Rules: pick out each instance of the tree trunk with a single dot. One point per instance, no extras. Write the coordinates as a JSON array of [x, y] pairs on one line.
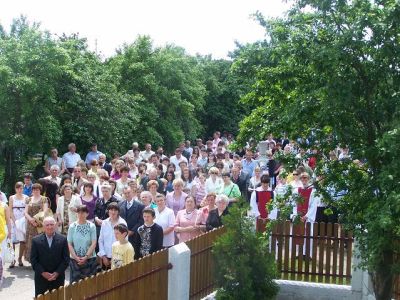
[[10, 174], [382, 277]]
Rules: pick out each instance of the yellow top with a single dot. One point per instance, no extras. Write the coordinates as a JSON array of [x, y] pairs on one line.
[[121, 254]]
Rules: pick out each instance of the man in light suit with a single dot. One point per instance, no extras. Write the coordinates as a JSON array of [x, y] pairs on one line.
[[131, 211], [49, 258]]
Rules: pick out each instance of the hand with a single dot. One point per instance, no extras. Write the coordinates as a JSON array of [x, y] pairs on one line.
[[99, 222], [303, 218], [130, 233], [53, 276], [46, 275], [105, 261]]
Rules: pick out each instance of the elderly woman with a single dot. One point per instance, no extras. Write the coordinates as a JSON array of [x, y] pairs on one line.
[[165, 217], [147, 199], [185, 221], [152, 187], [82, 243], [35, 204], [107, 237], [176, 199], [64, 214], [205, 210], [214, 182], [214, 219]]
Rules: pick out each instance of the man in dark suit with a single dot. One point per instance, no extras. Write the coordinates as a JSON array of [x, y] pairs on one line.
[[131, 211], [49, 258]]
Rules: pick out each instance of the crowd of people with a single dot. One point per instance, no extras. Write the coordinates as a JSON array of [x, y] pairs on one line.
[[109, 213]]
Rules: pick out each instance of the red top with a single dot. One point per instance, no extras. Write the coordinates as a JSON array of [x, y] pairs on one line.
[[263, 198], [303, 207], [312, 162]]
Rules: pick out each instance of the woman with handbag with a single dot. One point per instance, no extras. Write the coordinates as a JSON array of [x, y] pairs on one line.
[[35, 205], [17, 210]]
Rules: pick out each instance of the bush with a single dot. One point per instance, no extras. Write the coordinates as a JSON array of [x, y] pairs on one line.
[[244, 268]]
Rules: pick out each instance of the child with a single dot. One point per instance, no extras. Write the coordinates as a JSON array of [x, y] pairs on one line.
[[122, 251]]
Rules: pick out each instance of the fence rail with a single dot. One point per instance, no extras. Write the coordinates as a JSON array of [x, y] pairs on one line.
[[201, 264], [319, 252], [137, 278]]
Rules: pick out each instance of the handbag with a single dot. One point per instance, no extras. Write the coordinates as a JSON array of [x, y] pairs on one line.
[[20, 229], [9, 254]]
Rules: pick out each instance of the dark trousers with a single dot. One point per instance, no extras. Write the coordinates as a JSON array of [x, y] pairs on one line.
[[42, 285]]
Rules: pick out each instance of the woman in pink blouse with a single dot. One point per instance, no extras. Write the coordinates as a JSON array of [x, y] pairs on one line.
[[185, 221], [176, 199]]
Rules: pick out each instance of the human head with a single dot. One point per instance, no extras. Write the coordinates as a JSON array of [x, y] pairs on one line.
[[72, 147], [264, 181], [178, 184], [160, 201], [19, 187], [27, 178], [102, 158], [148, 215], [93, 147], [49, 225], [120, 232], [145, 198], [304, 177], [152, 186], [88, 188], [128, 194], [54, 152], [54, 170], [77, 172], [66, 189], [190, 203], [213, 171], [82, 212], [178, 153], [222, 202], [153, 174], [106, 190], [36, 189], [113, 210], [226, 178], [211, 197], [148, 147]]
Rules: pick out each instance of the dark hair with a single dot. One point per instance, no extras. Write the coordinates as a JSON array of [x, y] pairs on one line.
[[149, 210], [19, 184], [88, 184], [65, 177], [37, 186], [264, 178], [113, 205], [172, 173], [122, 228], [124, 169], [190, 179], [226, 174], [82, 208]]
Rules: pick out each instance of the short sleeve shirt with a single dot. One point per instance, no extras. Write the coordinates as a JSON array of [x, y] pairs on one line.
[[81, 237]]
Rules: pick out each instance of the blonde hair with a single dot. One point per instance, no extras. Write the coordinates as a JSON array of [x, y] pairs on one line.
[[177, 181]]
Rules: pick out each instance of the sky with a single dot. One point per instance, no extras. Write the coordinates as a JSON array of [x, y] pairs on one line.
[[204, 27]]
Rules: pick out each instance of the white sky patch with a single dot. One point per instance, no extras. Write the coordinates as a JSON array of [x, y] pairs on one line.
[[204, 27]]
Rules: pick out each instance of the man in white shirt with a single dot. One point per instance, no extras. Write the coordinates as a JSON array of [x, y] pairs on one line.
[[178, 158], [71, 158], [145, 155]]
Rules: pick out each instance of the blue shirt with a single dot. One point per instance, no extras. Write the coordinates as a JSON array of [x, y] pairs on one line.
[[248, 167], [81, 237], [92, 155], [27, 190]]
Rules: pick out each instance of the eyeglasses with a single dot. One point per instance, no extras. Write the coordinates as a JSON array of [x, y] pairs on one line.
[[295, 174]]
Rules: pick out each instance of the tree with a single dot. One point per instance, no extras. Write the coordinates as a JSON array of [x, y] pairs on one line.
[[243, 266], [168, 82], [30, 64], [331, 68]]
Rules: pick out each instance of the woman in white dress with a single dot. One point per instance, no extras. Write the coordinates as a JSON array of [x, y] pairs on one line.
[[17, 210]]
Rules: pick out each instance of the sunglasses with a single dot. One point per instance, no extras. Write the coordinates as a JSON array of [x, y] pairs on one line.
[[295, 174]]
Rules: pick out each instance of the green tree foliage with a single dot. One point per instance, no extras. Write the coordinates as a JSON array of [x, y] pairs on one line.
[[167, 82], [54, 90], [243, 266], [332, 68]]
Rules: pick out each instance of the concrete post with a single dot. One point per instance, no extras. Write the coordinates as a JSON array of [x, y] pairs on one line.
[[179, 275]]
